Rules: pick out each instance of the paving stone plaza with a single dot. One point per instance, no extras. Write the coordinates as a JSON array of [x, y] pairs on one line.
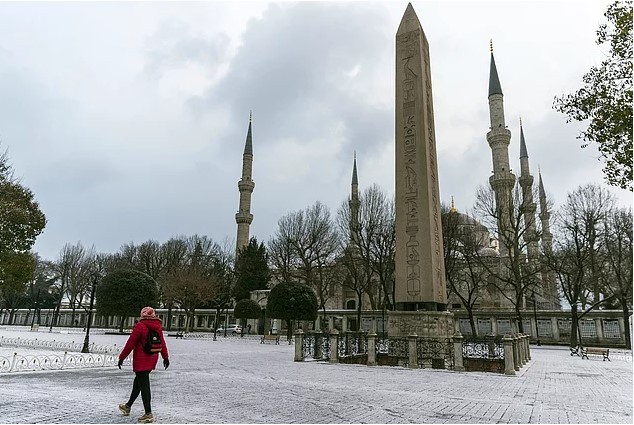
[[241, 381]]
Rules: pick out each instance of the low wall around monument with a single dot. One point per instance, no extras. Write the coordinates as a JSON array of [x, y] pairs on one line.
[[552, 327], [604, 328]]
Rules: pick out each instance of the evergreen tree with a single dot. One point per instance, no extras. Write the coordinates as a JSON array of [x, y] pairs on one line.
[[124, 293], [290, 301], [252, 270]]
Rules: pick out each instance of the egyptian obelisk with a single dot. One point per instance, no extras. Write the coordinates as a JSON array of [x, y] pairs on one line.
[[420, 268]]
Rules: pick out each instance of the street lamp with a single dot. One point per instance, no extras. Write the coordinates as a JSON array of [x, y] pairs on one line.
[[37, 298], [92, 300], [535, 316]]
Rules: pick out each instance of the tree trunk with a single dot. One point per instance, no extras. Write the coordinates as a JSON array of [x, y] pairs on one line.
[[289, 331], [626, 321], [520, 325], [324, 322], [121, 322], [169, 317], [474, 330], [574, 317], [192, 324], [359, 295]]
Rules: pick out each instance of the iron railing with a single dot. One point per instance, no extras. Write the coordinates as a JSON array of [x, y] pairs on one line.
[[20, 363], [437, 353], [352, 344], [53, 345], [483, 348]]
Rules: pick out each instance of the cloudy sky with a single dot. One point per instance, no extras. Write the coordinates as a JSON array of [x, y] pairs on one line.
[[128, 120]]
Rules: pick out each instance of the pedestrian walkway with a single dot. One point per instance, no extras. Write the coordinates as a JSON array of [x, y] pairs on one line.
[[232, 381]]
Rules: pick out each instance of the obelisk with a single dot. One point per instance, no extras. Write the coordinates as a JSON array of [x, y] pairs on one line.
[[420, 268]]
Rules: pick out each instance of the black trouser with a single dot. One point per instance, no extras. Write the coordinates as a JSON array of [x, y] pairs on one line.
[[141, 385]]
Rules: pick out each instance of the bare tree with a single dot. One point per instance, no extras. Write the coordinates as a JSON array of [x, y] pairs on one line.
[[618, 260], [464, 241], [304, 249], [72, 268], [513, 275], [371, 231], [576, 251], [589, 207]]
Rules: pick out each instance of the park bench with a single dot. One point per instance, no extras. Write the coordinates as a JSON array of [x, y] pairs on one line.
[[574, 351], [265, 338], [605, 352]]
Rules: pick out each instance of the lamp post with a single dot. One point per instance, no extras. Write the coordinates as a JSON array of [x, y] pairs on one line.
[[92, 300], [535, 316], [37, 298]]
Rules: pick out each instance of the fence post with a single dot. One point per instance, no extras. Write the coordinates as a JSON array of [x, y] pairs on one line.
[[524, 350], [334, 350], [509, 368], [15, 356], [371, 349], [516, 354], [413, 355], [457, 352], [528, 348], [299, 345]]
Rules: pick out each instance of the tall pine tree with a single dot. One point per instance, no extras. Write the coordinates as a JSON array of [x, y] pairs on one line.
[[252, 270]]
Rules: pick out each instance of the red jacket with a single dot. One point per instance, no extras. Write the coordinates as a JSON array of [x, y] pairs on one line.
[[142, 362]]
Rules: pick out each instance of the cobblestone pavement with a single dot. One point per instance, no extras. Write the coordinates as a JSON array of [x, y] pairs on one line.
[[233, 381]]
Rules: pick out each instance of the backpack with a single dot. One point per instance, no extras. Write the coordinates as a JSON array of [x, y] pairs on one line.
[[153, 344]]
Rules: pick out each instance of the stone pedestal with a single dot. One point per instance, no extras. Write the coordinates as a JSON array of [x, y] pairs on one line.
[[425, 324]]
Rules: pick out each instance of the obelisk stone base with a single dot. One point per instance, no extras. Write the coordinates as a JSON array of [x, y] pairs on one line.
[[425, 324]]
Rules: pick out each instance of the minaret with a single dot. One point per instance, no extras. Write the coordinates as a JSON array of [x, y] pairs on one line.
[[549, 281], [544, 215], [245, 186], [354, 201], [526, 182], [499, 137]]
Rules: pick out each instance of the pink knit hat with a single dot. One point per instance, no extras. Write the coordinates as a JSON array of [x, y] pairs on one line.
[[147, 313]]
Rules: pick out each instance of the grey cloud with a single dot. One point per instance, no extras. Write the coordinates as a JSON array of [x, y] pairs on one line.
[[173, 45], [290, 71]]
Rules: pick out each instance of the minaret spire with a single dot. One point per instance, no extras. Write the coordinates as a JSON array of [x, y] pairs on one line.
[[528, 205], [499, 138], [544, 216], [244, 218], [354, 203], [354, 170], [494, 80], [549, 281]]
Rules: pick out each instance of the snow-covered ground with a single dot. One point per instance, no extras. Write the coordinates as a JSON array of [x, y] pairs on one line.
[[237, 380]]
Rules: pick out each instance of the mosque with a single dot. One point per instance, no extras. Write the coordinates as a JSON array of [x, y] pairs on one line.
[[492, 245]]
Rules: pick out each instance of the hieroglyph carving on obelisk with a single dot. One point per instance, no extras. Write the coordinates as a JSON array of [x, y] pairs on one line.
[[420, 268]]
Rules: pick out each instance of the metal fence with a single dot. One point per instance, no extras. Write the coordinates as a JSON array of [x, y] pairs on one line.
[[352, 344], [436, 353], [21, 363], [483, 348], [53, 345]]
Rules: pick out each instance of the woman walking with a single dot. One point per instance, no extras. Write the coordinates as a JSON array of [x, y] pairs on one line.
[[145, 342]]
